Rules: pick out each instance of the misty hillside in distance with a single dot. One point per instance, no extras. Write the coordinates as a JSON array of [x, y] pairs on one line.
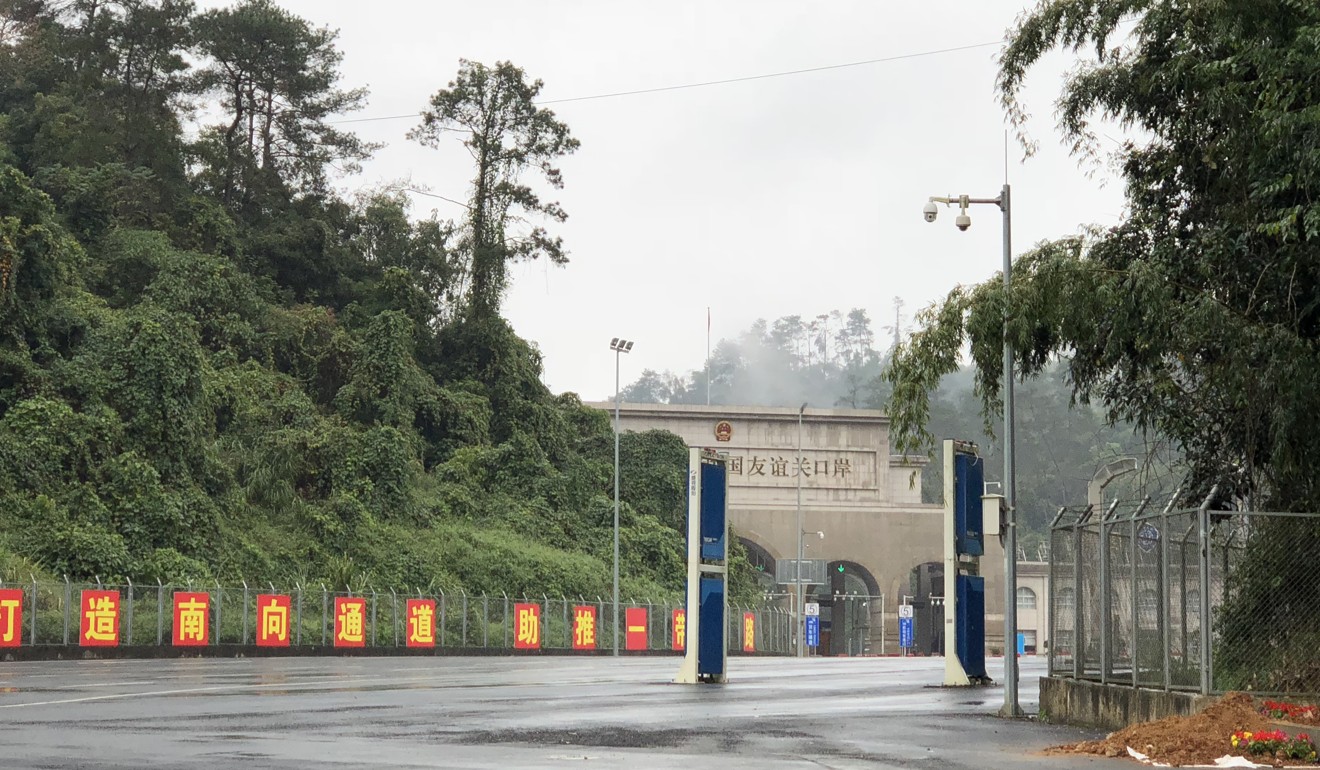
[[831, 360]]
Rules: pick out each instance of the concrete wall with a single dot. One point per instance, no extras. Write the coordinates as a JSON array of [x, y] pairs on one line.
[[1110, 706]]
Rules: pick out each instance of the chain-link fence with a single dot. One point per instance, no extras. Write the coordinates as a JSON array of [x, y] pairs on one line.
[[1189, 599], [74, 614]]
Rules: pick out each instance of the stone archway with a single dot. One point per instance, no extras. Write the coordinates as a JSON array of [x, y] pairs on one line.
[[851, 610]]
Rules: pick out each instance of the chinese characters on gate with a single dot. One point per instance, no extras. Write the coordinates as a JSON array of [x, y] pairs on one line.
[[787, 467]]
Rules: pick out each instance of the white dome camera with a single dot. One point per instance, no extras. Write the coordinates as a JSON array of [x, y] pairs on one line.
[[930, 211]]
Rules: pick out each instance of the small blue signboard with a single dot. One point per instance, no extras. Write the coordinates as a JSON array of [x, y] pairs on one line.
[[813, 631], [1148, 537], [905, 633], [1022, 644]]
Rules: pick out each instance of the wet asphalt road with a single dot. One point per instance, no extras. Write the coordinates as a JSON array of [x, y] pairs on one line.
[[549, 712]]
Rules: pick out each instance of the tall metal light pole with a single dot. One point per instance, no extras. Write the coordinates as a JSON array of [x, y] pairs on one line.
[[797, 572], [619, 346], [963, 221]]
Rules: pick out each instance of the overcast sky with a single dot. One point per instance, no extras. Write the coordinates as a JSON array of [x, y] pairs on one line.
[[791, 195]]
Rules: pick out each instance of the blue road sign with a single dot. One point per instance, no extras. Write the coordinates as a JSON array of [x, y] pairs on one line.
[[905, 632], [813, 631]]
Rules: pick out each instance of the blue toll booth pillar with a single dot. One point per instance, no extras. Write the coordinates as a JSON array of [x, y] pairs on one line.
[[705, 653], [964, 544]]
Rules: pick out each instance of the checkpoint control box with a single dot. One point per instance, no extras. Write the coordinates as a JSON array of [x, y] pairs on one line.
[[965, 528], [705, 656]]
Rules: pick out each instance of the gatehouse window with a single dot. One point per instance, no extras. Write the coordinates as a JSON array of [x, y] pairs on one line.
[[1026, 599]]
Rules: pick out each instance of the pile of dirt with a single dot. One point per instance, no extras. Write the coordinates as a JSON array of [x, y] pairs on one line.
[[1196, 740]]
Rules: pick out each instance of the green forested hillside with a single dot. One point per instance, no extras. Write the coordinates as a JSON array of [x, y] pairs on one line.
[[212, 366]]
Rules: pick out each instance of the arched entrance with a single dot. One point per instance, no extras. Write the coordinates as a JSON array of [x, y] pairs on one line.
[[847, 610], [763, 564]]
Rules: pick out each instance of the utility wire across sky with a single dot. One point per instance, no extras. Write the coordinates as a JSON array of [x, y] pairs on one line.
[[726, 81]]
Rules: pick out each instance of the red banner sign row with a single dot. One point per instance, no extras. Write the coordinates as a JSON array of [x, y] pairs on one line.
[[273, 620], [527, 624], [584, 627], [350, 622], [99, 624], [11, 617], [192, 620], [421, 622], [635, 626]]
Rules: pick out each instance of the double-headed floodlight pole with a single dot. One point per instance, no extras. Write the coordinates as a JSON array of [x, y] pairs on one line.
[[619, 346], [963, 221]]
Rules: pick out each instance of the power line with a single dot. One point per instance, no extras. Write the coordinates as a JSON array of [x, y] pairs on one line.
[[433, 195], [726, 81], [773, 74]]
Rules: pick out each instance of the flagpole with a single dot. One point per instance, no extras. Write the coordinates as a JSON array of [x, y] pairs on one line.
[[708, 355]]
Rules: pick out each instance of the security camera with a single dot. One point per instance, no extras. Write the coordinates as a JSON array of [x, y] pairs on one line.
[[930, 211], [963, 221]]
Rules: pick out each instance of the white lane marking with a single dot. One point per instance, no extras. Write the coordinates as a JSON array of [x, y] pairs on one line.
[[338, 683], [343, 683]]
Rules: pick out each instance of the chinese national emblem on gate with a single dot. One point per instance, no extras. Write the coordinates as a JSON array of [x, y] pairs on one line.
[[723, 430]]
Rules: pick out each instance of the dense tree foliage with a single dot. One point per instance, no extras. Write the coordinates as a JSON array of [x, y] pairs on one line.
[[212, 366], [1197, 317], [494, 109]]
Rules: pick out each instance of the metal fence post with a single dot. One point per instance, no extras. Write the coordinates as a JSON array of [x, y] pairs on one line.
[[1079, 654], [160, 613], [1165, 610], [219, 609], [245, 613], [442, 616], [1134, 644], [1050, 588], [485, 620], [128, 634], [325, 612], [1106, 596], [568, 630], [297, 611], [1203, 515], [463, 642], [68, 597], [504, 621], [374, 605], [394, 616], [32, 624]]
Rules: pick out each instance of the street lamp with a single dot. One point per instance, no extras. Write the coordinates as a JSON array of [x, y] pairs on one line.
[[963, 221], [619, 346], [797, 572]]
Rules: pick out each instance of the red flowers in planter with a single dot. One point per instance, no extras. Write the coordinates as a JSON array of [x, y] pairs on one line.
[[1290, 711]]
